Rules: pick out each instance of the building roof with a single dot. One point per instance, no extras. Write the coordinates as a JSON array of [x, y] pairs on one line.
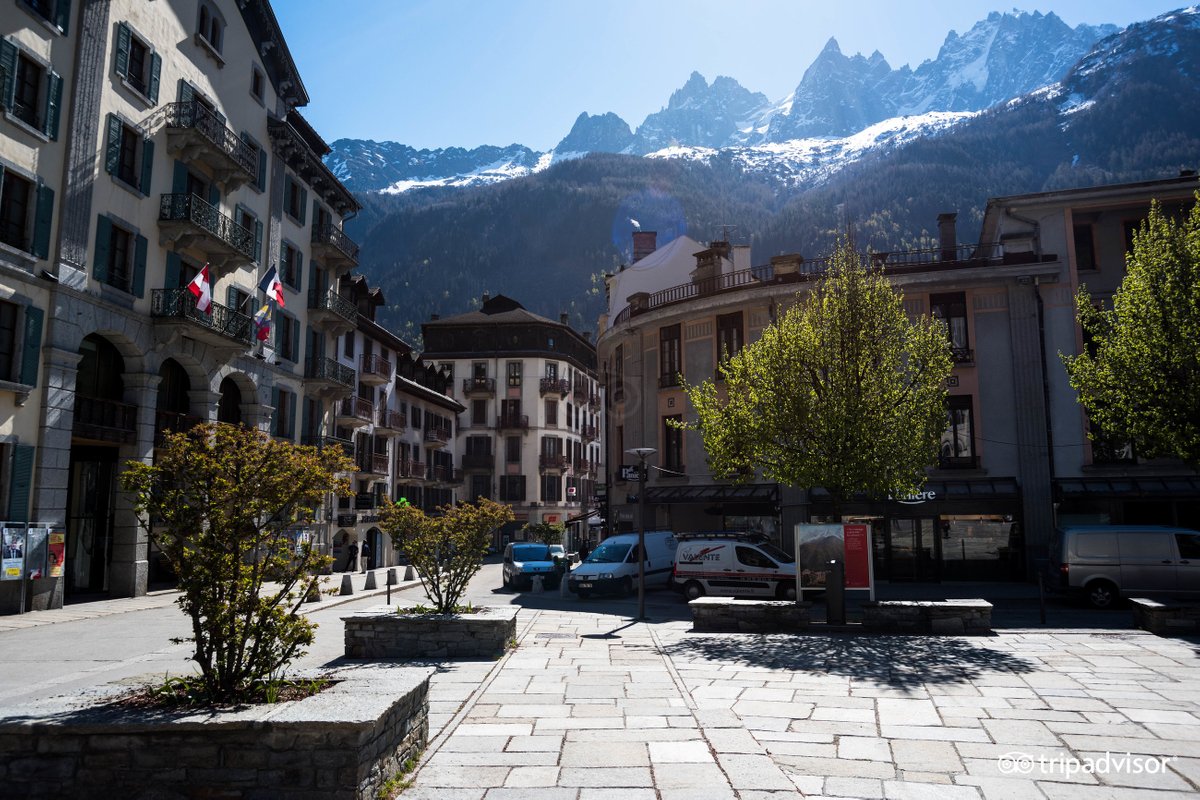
[[496, 310], [281, 68], [670, 265]]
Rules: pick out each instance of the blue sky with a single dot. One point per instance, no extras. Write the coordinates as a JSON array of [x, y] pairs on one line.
[[441, 73]]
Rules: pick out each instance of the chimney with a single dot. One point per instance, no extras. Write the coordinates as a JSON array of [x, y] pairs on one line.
[[947, 237], [644, 243], [587, 336], [486, 296], [721, 248], [564, 318]]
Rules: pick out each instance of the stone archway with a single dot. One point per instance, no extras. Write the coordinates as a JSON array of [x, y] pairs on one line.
[[229, 405]]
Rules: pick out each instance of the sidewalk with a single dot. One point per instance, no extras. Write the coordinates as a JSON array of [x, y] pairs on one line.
[[592, 707]]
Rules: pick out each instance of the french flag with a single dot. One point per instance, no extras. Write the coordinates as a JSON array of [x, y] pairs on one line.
[[201, 287], [272, 286]]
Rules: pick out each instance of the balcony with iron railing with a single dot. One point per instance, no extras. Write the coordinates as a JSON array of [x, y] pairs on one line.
[[593, 401], [580, 391], [374, 369], [345, 445], [355, 411], [962, 355], [221, 326], [372, 463], [364, 500], [437, 436], [336, 251], [173, 422], [99, 420], [186, 220], [512, 422], [670, 379], [391, 420], [588, 432], [197, 133], [479, 461], [328, 311], [559, 386], [332, 377], [479, 386], [443, 474], [552, 461], [416, 469]]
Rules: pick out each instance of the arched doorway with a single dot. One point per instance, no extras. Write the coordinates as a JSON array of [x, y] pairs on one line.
[[102, 422], [229, 407], [173, 411]]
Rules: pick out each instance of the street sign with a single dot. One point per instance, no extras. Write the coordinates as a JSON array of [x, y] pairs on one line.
[[629, 472]]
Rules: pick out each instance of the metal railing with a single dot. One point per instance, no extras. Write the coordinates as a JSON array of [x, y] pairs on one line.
[[333, 302], [196, 116], [208, 218], [478, 460], [473, 385], [437, 435], [512, 421], [328, 369], [374, 364], [392, 420], [181, 304], [552, 460], [357, 408], [333, 236], [105, 420], [554, 386]]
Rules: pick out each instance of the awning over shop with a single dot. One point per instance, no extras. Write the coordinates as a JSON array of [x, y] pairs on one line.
[[710, 493], [1172, 486], [974, 489]]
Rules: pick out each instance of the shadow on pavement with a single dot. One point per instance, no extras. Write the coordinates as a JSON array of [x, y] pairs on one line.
[[902, 661]]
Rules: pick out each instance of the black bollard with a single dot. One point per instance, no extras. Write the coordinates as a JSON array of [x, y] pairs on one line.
[[391, 579], [835, 593]]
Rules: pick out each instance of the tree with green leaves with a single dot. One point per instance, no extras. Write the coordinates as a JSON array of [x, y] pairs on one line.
[[842, 392], [446, 549], [222, 503], [544, 532], [1139, 378]]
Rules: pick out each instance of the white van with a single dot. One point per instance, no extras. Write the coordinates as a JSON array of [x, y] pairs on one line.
[[613, 565], [1103, 562], [731, 564]]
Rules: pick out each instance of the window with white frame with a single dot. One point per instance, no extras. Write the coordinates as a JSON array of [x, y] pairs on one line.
[[32, 91]]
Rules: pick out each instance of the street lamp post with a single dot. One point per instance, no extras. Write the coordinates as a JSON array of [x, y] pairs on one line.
[[642, 453]]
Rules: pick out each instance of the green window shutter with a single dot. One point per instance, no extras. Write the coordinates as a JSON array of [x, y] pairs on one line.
[[303, 204], [124, 35], [31, 345], [103, 237], [21, 483], [291, 431], [139, 267], [295, 354], [299, 270], [174, 268], [306, 420], [112, 148], [275, 412], [155, 71], [214, 195], [258, 239], [179, 178], [262, 169], [231, 298], [54, 87], [42, 218], [147, 165], [62, 14], [186, 93], [8, 66]]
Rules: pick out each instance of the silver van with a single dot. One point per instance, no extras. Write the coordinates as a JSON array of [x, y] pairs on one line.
[[1104, 562]]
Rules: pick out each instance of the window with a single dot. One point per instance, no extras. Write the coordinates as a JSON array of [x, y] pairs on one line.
[[512, 449], [283, 422], [481, 486], [137, 64], [260, 180], [510, 413], [26, 209], [348, 345], [512, 487], [1189, 545], [552, 370], [672, 454], [752, 558], [287, 337], [291, 266], [120, 259], [479, 370], [32, 90], [668, 356], [552, 413], [514, 373], [729, 336], [211, 28], [1085, 248], [129, 156], [952, 310], [416, 418], [618, 373], [257, 84], [55, 13], [958, 440], [295, 198], [551, 488], [20, 342]]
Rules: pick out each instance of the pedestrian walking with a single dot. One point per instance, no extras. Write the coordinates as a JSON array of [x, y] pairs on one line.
[[365, 554], [352, 558]]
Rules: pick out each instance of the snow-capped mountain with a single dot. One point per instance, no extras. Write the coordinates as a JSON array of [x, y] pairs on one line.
[[840, 102]]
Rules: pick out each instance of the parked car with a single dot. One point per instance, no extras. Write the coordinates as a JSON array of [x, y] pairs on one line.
[[523, 561], [613, 565], [1103, 562], [731, 564]]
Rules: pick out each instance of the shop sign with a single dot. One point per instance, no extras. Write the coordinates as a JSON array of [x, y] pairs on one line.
[[629, 472], [916, 498]]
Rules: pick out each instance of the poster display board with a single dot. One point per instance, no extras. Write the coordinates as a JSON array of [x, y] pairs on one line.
[[56, 553], [817, 545], [12, 558]]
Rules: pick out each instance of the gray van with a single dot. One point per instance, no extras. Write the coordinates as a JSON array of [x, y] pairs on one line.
[[1103, 562]]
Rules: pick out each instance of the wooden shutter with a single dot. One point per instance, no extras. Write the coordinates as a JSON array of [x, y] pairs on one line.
[[303, 204], [155, 71], [262, 169], [31, 345], [139, 267], [299, 270], [103, 238], [21, 483], [295, 354], [8, 66], [112, 148], [306, 422], [43, 216], [174, 268], [291, 431], [124, 36], [180, 178], [62, 14], [54, 87], [214, 195], [275, 411], [147, 165], [258, 240], [186, 93]]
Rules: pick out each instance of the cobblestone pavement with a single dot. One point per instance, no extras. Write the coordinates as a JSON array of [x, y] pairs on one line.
[[590, 707]]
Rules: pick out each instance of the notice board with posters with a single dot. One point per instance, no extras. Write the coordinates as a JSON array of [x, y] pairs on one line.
[[817, 545]]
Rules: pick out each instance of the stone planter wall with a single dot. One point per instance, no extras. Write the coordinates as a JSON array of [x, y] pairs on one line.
[[1165, 619], [748, 616], [383, 633], [947, 617], [343, 743]]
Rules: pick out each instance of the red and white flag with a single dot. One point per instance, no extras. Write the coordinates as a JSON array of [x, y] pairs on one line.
[[272, 286], [202, 289]]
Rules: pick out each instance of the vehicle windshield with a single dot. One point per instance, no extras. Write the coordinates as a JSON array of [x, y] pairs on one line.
[[610, 553], [775, 553], [531, 552]]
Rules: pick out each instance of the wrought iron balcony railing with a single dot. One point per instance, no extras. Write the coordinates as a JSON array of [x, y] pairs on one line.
[[104, 420], [197, 117], [552, 461], [479, 385], [333, 303], [375, 366], [181, 304], [554, 386], [357, 408], [213, 227], [392, 420], [334, 241], [512, 421], [329, 370], [440, 435]]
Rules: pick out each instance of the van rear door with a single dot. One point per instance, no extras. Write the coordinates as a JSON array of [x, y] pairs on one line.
[[1147, 561], [1187, 577]]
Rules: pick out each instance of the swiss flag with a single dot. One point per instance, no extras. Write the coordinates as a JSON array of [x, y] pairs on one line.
[[201, 287]]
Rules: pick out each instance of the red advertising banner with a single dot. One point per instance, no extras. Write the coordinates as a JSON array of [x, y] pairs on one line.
[[858, 556]]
